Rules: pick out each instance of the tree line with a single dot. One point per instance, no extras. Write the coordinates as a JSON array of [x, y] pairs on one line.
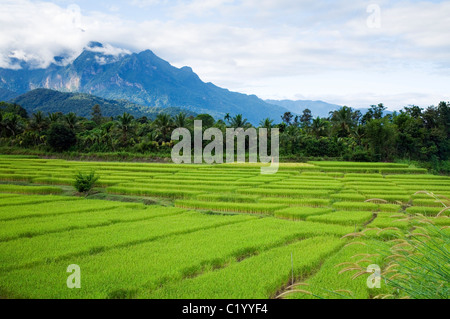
[[412, 134]]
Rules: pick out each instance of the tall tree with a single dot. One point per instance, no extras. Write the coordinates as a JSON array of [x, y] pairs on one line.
[[266, 123], [97, 114], [343, 121], [239, 122], [287, 118], [164, 125], [180, 120], [71, 120], [319, 127], [227, 117], [306, 118], [125, 123]]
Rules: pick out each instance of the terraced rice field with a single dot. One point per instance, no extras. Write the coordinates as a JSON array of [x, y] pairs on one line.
[[220, 231]]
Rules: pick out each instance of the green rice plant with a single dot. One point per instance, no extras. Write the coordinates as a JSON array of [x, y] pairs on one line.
[[357, 164], [371, 176], [317, 178], [380, 192], [203, 178], [335, 174], [440, 221], [41, 225], [389, 208], [313, 173], [394, 199], [52, 181], [156, 192], [2, 196], [349, 197], [343, 218], [54, 208], [263, 179], [198, 187], [16, 189], [284, 192], [259, 277], [334, 281], [145, 266], [427, 182], [308, 202], [350, 169], [301, 187], [255, 208], [390, 221], [355, 206], [195, 175], [427, 211], [228, 198], [172, 181], [300, 213], [403, 171], [406, 177], [428, 202], [373, 188], [107, 237], [19, 200], [16, 177], [360, 184]]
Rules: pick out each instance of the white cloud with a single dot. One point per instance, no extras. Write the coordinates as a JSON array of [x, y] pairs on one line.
[[244, 45], [108, 49]]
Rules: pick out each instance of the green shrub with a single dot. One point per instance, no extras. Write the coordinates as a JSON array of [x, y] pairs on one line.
[[84, 183]]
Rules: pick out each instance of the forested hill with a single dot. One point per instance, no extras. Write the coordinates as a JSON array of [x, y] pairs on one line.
[[50, 101]]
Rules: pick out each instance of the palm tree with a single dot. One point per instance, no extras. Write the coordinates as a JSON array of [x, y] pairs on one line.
[[342, 120], [239, 122], [53, 117], [71, 120], [227, 117], [318, 127], [163, 125], [180, 120], [125, 123], [266, 123], [12, 123]]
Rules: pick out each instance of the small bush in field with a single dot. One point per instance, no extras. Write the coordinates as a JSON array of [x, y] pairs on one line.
[[84, 183]]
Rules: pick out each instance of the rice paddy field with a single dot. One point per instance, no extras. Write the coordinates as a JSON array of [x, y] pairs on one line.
[[170, 231]]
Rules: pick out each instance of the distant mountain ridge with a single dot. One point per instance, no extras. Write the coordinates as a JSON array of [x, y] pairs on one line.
[[50, 101], [6, 95], [141, 78], [318, 108]]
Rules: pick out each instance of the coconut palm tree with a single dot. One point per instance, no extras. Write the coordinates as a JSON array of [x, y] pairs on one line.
[[180, 120], [342, 120], [318, 127], [266, 123], [227, 117], [164, 125], [125, 124], [71, 120], [239, 122]]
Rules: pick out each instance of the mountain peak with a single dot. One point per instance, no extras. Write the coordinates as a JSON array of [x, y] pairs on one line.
[[94, 45], [143, 78]]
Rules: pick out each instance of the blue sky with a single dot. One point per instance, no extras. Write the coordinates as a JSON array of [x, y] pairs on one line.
[[355, 53]]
